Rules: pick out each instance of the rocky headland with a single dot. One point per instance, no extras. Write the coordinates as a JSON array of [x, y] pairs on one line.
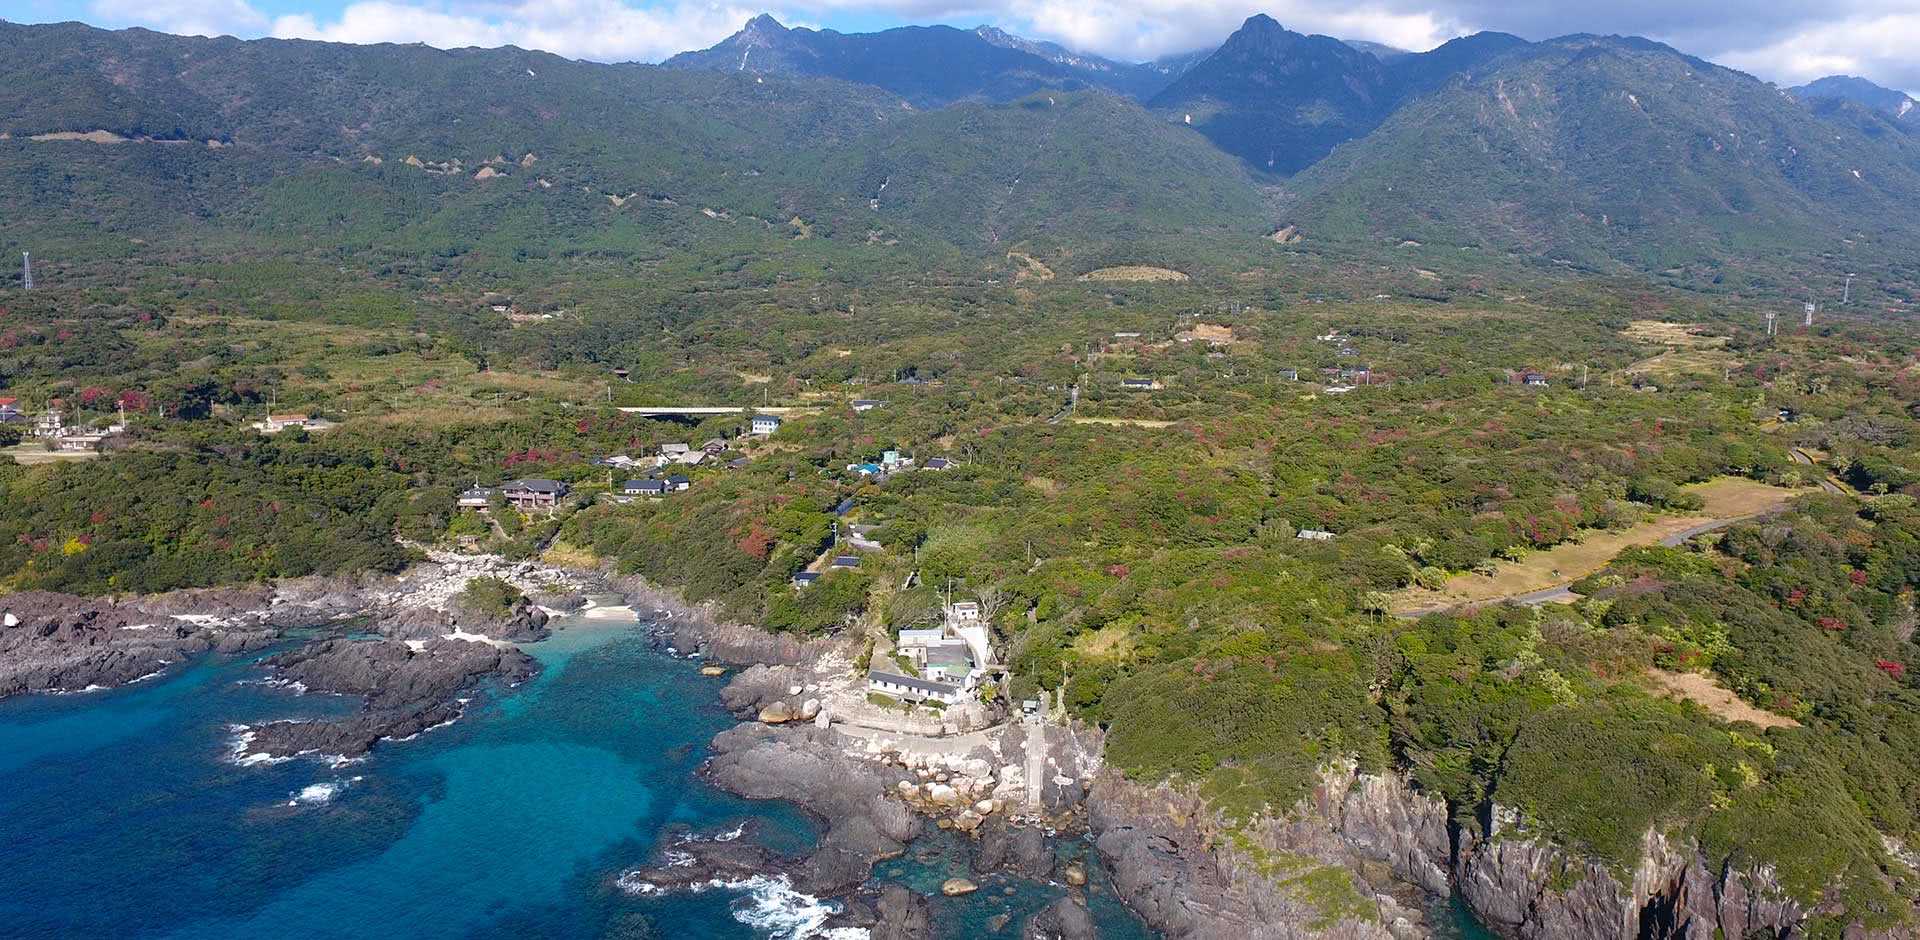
[[405, 688], [61, 643]]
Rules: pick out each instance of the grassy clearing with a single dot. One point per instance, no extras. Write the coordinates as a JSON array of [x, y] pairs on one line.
[[1725, 498], [1127, 422], [1718, 701], [1687, 335], [1134, 272], [35, 453]]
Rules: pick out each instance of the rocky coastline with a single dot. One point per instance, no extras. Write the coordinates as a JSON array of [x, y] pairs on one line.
[[1173, 861]]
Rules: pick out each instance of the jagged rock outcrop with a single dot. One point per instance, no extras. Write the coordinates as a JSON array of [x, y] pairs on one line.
[[900, 914], [406, 688], [804, 765], [1067, 918], [52, 642]]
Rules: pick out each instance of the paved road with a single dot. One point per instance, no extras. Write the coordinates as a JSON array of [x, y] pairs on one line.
[[1803, 458]]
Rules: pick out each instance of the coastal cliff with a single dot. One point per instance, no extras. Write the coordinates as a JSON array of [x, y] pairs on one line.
[[1353, 859]]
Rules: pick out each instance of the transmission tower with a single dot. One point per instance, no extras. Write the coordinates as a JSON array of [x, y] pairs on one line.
[[26, 270]]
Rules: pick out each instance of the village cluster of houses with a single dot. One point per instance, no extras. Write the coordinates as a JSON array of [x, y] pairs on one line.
[[275, 423], [51, 425], [533, 494], [950, 660], [892, 462], [526, 495]]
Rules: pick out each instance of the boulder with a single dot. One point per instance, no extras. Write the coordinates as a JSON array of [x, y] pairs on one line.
[[956, 887]]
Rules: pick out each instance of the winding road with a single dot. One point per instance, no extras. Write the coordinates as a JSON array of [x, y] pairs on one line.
[[1806, 460]]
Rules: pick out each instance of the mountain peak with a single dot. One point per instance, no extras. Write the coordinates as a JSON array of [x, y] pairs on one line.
[[1261, 21], [1896, 104], [763, 25]]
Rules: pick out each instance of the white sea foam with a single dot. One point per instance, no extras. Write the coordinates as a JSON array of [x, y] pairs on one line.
[[768, 904], [317, 794], [631, 883], [243, 740], [778, 912], [732, 834]]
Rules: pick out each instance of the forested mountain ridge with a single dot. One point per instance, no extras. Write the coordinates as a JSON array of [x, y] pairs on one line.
[[1604, 149], [929, 66], [1602, 152], [1281, 100], [407, 145], [1895, 105]]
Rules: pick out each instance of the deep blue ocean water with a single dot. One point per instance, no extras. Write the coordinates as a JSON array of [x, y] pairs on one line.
[[123, 815]]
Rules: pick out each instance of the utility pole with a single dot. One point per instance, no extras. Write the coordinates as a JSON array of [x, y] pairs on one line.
[[1846, 292], [26, 270], [1771, 328]]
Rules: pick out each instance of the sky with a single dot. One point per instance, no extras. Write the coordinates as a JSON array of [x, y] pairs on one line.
[[1784, 41]]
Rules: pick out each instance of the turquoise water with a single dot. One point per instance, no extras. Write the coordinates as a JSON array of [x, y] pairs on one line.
[[122, 814]]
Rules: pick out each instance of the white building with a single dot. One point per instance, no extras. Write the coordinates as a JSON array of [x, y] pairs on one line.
[[766, 424]]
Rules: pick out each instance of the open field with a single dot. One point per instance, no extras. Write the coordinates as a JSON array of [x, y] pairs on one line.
[[1129, 422], [1670, 334], [1708, 694], [33, 453], [1133, 272], [1726, 499]]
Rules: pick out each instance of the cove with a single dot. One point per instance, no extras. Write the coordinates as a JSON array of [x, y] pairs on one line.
[[122, 814]]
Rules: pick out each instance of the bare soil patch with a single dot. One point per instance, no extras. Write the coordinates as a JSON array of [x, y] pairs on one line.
[[1718, 701]]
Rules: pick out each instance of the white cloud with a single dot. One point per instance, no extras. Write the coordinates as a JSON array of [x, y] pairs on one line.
[[1881, 48], [605, 30], [184, 17], [1780, 40]]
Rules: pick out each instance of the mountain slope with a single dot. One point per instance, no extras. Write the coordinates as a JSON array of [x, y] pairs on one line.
[[508, 153], [1135, 80], [1277, 99], [1281, 101], [929, 66], [1896, 105], [1599, 150]]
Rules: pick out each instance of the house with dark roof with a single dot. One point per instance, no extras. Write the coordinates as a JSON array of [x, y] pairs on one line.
[[738, 463], [911, 689], [845, 561], [805, 578], [534, 493], [937, 463], [1139, 384], [676, 483], [478, 497], [715, 446], [643, 488]]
